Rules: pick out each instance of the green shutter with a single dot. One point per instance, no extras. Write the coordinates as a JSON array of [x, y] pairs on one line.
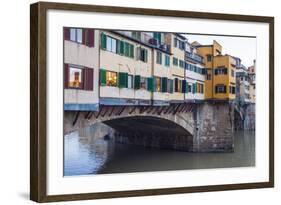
[[103, 41], [131, 50], [150, 86], [164, 84], [122, 48], [145, 55], [123, 80], [137, 81], [102, 77], [126, 52], [186, 87]]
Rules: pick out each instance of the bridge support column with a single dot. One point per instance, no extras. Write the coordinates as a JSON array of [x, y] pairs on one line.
[[213, 129]]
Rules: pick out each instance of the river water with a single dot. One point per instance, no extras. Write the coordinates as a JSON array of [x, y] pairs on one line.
[[85, 153]]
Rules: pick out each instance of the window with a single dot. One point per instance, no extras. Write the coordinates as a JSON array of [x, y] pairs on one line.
[[136, 35], [167, 60], [143, 82], [76, 35], [130, 81], [142, 54], [220, 89], [179, 44], [170, 86], [111, 78], [158, 84], [179, 85], [209, 77], [78, 77], [221, 71], [181, 64], [232, 72], [189, 88], [175, 61], [111, 44], [209, 58], [75, 77], [231, 89], [158, 57]]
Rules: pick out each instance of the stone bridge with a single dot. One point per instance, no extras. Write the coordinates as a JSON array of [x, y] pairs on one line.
[[194, 127]]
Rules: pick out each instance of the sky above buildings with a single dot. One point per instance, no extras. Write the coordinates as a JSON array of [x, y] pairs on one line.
[[242, 47]]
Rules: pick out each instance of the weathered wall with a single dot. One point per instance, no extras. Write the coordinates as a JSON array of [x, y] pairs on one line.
[[250, 117], [214, 128]]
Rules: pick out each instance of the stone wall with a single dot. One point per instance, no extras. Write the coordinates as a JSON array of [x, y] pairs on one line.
[[250, 117], [214, 128]]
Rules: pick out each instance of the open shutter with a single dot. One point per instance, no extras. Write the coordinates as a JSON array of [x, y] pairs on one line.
[[164, 84], [102, 77], [123, 80], [138, 53], [66, 75], [103, 41], [150, 86], [90, 37], [66, 33], [193, 88], [137, 82], [176, 84], [84, 36], [183, 90], [131, 51], [89, 79]]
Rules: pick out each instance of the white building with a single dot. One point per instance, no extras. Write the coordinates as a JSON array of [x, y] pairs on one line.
[[81, 69], [194, 75]]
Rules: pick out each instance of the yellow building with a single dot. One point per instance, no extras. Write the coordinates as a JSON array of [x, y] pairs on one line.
[[220, 78]]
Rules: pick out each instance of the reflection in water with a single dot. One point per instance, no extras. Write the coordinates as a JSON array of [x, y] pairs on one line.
[[87, 152]]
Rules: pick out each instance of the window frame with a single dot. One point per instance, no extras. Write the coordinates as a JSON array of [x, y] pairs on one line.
[[81, 87], [107, 84]]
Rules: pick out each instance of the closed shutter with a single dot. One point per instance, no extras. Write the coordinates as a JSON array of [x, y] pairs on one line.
[[103, 41], [132, 51], [164, 84], [183, 90], [150, 86], [89, 79], [66, 33], [176, 84], [171, 86], [102, 77], [90, 37], [66, 75], [137, 81], [145, 55], [121, 47], [123, 80]]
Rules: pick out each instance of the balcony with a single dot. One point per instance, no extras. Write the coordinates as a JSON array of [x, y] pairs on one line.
[[194, 57]]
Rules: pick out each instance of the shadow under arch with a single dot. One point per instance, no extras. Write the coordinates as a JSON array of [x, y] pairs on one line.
[[151, 132]]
